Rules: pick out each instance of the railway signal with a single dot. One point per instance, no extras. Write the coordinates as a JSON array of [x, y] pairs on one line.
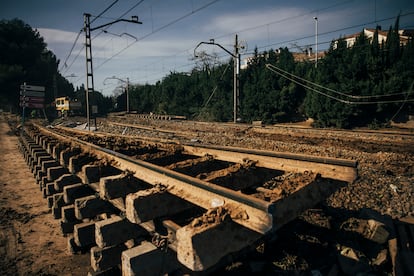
[[31, 96]]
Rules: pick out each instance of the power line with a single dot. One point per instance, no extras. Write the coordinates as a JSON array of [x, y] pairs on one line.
[[77, 37], [301, 38], [338, 30], [104, 11], [269, 66], [71, 49], [101, 31], [402, 105], [247, 29], [282, 20], [119, 17], [157, 30], [258, 26], [332, 90]]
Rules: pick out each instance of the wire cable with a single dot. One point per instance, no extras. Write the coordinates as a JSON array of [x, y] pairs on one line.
[[98, 16], [71, 49], [157, 30], [282, 20], [297, 39], [336, 98], [332, 90], [104, 11], [402, 105], [338, 30]]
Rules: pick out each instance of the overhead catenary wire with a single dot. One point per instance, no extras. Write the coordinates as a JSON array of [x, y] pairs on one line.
[[71, 50], [402, 105], [156, 31], [338, 30], [101, 31], [79, 33], [269, 67], [300, 38], [193, 11], [333, 90], [215, 87], [104, 11], [247, 29], [282, 20], [119, 17]]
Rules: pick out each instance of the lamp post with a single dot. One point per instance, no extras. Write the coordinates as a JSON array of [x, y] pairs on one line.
[[126, 89], [316, 42], [236, 80], [88, 48]]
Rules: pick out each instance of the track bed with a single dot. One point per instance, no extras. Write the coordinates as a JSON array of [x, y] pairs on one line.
[[146, 205]]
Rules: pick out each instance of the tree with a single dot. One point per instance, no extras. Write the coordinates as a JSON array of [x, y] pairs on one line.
[[25, 58], [368, 70]]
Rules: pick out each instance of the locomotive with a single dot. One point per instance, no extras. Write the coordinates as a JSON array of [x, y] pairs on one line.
[[67, 107]]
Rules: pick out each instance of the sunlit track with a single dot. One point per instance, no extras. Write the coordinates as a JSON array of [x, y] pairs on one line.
[[199, 194], [359, 140], [395, 135], [385, 133]]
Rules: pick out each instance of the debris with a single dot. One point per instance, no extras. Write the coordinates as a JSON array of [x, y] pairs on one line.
[[376, 232], [394, 188], [217, 202], [351, 261]]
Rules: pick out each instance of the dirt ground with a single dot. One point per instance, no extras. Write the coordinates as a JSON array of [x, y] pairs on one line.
[[31, 242]]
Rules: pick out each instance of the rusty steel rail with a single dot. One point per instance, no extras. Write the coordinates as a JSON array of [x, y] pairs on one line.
[[334, 168], [194, 190], [164, 193], [203, 193]]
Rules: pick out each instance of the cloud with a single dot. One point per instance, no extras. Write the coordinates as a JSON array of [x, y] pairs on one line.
[[53, 36], [257, 24]]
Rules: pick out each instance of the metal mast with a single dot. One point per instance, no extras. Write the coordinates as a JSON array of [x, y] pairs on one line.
[[236, 80], [89, 66], [236, 73], [316, 42], [88, 47]]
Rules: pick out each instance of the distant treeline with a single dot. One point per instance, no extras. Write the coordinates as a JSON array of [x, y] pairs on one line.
[[367, 84]]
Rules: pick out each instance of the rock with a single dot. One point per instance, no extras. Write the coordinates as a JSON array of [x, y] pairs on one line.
[[377, 232], [351, 262], [381, 258]]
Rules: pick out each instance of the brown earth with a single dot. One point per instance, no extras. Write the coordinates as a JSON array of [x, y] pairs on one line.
[[31, 242]]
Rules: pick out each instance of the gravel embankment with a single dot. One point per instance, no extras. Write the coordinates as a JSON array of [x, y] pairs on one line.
[[385, 162]]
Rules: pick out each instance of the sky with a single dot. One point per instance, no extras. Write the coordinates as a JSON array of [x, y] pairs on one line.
[[171, 29]]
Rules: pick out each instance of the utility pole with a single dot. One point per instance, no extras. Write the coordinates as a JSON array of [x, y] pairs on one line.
[[236, 80], [88, 49], [316, 42], [236, 73], [127, 95], [89, 66], [126, 89]]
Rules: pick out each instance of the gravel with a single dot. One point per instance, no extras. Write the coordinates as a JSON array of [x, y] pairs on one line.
[[385, 162]]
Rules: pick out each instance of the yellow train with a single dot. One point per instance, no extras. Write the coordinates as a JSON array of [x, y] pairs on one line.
[[66, 106]]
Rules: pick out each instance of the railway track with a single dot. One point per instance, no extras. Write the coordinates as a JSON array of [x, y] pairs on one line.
[[394, 134], [151, 207], [370, 141]]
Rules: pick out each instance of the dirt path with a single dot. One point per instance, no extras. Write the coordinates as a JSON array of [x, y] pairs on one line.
[[30, 239]]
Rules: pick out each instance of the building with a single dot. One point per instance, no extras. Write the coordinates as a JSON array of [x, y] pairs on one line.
[[303, 55], [405, 36]]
